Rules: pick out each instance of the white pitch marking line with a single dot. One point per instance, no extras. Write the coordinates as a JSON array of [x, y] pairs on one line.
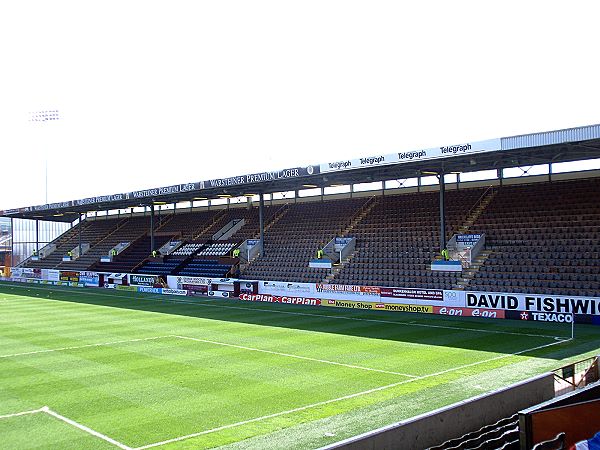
[[88, 430], [23, 413], [84, 428], [209, 304], [82, 346], [307, 358], [346, 397]]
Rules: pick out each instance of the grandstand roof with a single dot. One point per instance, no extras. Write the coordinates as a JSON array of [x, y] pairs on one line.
[[571, 144]]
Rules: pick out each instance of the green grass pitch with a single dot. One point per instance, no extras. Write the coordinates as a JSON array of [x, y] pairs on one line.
[[99, 369]]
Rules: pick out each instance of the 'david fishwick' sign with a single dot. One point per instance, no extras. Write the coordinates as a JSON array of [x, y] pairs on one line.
[[533, 302]]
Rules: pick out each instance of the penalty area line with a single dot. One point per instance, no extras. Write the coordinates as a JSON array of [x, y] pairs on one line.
[[86, 429], [22, 413]]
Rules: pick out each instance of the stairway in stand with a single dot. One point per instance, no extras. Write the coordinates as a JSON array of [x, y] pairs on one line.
[[472, 216], [478, 209], [362, 213], [212, 227], [337, 268], [469, 274], [278, 215]]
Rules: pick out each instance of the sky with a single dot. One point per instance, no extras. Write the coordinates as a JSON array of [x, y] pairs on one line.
[[153, 93]]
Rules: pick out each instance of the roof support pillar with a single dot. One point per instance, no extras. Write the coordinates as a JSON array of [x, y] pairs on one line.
[[151, 227], [442, 211], [261, 221], [12, 243], [37, 237], [80, 235]]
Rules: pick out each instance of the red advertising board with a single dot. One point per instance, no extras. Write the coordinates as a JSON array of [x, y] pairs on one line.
[[469, 312]]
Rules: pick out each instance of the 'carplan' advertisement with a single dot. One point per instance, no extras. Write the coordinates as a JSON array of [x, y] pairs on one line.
[[280, 299]]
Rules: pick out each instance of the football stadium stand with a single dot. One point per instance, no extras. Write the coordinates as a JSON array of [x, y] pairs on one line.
[[543, 238], [294, 239], [399, 237], [540, 237]]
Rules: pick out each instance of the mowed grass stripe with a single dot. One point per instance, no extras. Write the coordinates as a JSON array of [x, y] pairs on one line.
[[170, 382], [315, 409], [41, 431], [180, 385], [354, 350], [191, 307]]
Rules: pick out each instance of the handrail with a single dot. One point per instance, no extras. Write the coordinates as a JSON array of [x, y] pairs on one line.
[[276, 217], [362, 209], [480, 199], [215, 219], [233, 223]]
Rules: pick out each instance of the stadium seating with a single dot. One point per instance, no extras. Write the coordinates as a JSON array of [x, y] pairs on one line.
[[166, 267], [92, 232], [132, 256], [192, 258], [187, 249], [397, 241], [126, 230], [199, 267], [545, 238], [293, 240], [189, 224], [553, 444], [504, 434], [217, 249]]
